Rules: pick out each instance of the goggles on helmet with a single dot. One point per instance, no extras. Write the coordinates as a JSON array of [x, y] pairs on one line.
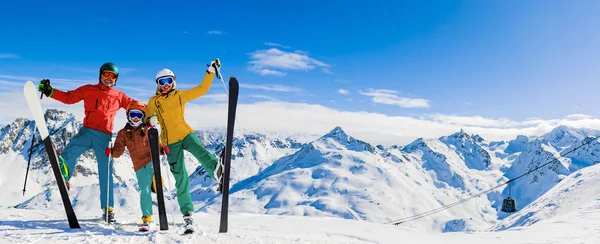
[[165, 81]]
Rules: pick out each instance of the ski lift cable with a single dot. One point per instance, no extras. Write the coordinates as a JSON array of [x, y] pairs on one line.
[[430, 212]]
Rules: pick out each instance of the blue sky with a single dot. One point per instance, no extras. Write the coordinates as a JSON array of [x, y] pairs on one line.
[[498, 60]]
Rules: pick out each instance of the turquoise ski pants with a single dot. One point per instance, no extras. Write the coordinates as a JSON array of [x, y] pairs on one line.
[[144, 177], [97, 141]]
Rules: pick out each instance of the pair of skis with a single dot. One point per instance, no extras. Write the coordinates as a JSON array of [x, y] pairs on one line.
[[30, 91]]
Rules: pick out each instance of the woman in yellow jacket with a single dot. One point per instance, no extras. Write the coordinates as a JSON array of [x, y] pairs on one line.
[[166, 108]]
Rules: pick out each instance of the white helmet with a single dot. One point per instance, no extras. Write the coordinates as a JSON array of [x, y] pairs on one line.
[[165, 73]]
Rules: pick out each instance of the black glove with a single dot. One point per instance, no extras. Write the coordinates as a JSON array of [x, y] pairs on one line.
[[45, 87]]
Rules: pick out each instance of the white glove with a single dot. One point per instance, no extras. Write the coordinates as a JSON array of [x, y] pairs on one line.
[[153, 120], [214, 67]]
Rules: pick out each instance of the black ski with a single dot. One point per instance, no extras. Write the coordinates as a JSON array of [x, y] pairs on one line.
[[162, 213], [31, 95], [233, 99]]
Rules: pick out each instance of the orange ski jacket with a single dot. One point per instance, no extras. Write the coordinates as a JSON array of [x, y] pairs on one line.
[[100, 103]]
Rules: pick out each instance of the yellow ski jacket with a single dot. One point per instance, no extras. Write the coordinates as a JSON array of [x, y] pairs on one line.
[[170, 109]]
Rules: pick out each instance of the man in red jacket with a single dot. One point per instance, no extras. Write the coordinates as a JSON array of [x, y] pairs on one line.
[[101, 103]]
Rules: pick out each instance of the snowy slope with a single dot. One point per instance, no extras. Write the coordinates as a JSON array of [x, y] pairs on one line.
[[545, 149], [335, 175], [338, 175], [36, 226], [578, 192], [251, 152]]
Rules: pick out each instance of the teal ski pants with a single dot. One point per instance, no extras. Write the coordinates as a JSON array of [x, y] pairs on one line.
[[144, 177], [97, 141]]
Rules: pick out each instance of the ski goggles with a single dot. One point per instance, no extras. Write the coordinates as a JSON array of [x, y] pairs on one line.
[[165, 81], [109, 75], [135, 114]]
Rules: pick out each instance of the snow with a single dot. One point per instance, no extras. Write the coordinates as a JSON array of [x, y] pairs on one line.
[[333, 188], [37, 226], [579, 191]]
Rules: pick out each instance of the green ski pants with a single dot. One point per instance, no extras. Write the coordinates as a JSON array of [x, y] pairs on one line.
[[177, 166]]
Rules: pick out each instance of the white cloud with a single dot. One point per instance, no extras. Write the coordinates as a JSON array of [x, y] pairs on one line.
[[214, 32], [472, 121], [265, 97], [63, 83], [343, 91], [265, 61], [275, 45], [9, 55], [316, 120], [216, 97], [278, 88], [384, 96], [265, 72], [326, 71], [579, 116], [282, 117]]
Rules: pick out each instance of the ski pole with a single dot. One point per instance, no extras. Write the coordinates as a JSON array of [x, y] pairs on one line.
[[108, 178], [29, 160], [170, 192], [30, 151]]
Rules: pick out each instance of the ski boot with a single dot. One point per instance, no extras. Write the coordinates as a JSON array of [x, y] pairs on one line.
[[189, 222], [64, 170], [146, 223], [218, 173], [110, 213]]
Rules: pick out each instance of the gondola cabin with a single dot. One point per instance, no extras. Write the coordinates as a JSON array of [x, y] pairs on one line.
[[509, 205]]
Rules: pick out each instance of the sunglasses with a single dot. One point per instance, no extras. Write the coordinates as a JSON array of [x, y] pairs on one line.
[[135, 114], [108, 75], [165, 81]]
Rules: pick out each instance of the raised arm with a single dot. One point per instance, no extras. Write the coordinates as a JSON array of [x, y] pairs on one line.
[[203, 88], [200, 90], [69, 97]]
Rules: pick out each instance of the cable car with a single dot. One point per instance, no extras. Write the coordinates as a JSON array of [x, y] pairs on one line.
[[509, 205]]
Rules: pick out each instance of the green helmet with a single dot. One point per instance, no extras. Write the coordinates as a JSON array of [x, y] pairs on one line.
[[110, 67]]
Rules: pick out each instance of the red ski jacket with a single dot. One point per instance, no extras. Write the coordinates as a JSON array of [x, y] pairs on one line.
[[100, 103]]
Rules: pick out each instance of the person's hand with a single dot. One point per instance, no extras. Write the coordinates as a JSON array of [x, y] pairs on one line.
[[45, 87], [215, 67]]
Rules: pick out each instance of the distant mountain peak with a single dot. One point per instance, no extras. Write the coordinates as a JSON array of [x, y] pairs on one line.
[[57, 115], [563, 136], [338, 138], [464, 135], [337, 133]]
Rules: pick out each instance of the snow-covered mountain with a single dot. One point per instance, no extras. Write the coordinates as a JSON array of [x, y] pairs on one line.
[[549, 148], [577, 192], [338, 175], [335, 175], [252, 152]]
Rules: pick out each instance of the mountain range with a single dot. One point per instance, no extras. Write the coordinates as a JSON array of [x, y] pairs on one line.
[[334, 175]]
